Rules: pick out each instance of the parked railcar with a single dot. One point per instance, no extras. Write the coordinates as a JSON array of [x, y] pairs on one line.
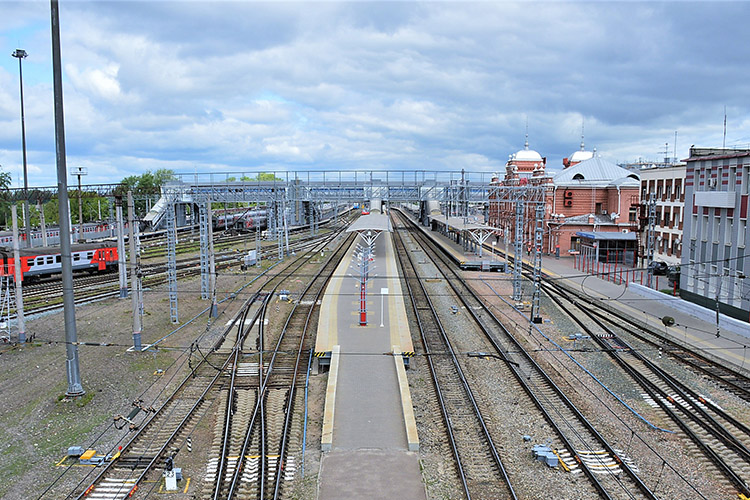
[[247, 220], [91, 230], [47, 261]]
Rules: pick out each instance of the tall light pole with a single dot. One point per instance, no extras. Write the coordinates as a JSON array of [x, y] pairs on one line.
[[75, 388], [21, 54], [79, 171]]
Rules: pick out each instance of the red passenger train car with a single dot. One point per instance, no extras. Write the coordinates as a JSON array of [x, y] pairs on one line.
[[46, 261]]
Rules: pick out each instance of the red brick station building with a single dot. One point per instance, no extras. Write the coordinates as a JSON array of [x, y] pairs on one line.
[[592, 204]]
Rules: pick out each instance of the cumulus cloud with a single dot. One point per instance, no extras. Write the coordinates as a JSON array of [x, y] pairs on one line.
[[220, 86]]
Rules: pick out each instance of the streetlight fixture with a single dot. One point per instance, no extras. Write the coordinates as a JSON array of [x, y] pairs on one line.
[[21, 54]]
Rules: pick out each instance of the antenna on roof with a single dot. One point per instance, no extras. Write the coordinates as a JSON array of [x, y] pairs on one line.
[[724, 142], [582, 147], [526, 144]]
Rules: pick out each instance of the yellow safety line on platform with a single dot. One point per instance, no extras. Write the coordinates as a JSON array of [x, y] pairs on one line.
[[326, 438], [327, 335], [412, 438], [398, 321]]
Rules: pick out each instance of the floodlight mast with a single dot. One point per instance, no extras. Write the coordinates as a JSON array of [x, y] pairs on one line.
[[71, 335], [21, 54]]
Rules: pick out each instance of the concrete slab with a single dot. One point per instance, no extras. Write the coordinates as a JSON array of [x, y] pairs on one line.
[[370, 474]]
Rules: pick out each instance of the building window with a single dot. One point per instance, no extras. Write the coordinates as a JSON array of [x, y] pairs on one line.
[[739, 263], [677, 190], [717, 226], [728, 231], [727, 254], [694, 227], [741, 233], [745, 179]]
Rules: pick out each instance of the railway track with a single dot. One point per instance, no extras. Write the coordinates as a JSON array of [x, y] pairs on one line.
[[718, 370], [251, 453], [478, 463], [713, 433], [46, 296], [582, 447], [162, 433]]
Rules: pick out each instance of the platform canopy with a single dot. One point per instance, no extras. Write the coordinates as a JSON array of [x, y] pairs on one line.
[[372, 222], [461, 223], [480, 232]]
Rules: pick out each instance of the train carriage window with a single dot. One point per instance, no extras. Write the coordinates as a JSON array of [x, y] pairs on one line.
[[58, 260], [76, 256], [89, 255], [50, 260]]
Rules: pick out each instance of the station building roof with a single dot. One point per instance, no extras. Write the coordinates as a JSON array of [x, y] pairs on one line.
[[596, 172], [372, 222], [606, 235], [460, 224]]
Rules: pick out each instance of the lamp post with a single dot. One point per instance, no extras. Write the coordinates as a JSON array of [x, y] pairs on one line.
[[78, 172], [21, 54]]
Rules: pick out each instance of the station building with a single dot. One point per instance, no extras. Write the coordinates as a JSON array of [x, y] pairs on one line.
[[590, 196], [714, 266]]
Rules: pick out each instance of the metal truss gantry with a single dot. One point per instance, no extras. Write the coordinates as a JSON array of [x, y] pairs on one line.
[[518, 257], [650, 237], [172, 262], [203, 223], [538, 239]]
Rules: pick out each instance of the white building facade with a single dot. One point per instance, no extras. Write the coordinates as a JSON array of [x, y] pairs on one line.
[[714, 257], [667, 184]]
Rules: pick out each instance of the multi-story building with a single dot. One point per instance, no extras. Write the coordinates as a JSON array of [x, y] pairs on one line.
[[591, 195], [714, 267], [666, 185]]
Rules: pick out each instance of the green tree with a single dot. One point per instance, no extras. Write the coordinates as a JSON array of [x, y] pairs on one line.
[[145, 185], [263, 176]]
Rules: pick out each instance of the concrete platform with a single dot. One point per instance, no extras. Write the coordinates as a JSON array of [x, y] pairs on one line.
[[369, 431], [370, 475], [466, 259]]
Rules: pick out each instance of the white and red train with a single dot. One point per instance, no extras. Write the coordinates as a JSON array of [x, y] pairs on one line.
[[46, 261]]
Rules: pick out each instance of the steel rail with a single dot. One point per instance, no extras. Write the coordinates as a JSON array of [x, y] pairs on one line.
[[466, 292], [423, 295]]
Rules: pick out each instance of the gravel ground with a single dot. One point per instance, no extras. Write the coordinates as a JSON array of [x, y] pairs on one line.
[[665, 460], [39, 424]]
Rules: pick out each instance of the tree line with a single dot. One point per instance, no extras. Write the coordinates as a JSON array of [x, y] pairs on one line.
[[146, 190]]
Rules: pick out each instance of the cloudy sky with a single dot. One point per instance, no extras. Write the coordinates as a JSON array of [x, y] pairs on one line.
[[247, 86]]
